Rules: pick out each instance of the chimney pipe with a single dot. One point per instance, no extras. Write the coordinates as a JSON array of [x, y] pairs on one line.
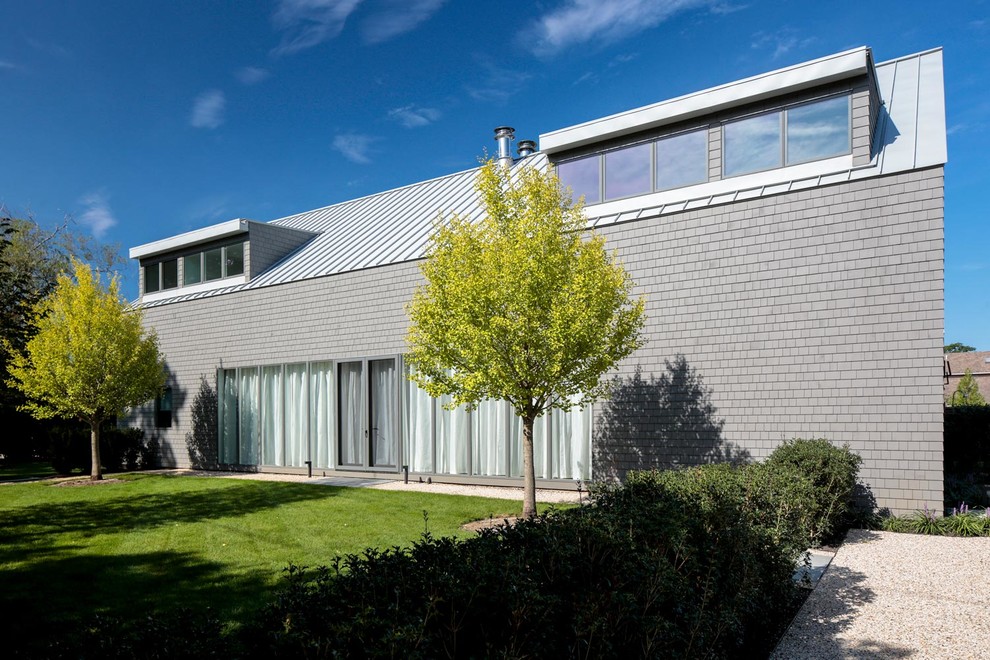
[[504, 135], [526, 148]]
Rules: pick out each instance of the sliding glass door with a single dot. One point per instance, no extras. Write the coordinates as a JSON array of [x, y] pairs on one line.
[[367, 404]]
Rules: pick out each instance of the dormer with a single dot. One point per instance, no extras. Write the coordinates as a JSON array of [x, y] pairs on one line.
[[219, 256], [814, 118]]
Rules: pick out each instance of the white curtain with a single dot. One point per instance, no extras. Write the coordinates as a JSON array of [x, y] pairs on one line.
[[249, 413], [417, 426], [320, 416], [539, 446], [383, 399], [272, 441], [452, 439], [296, 427], [351, 405], [489, 438], [227, 386], [571, 444]]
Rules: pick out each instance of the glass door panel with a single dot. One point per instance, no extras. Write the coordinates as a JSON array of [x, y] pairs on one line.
[[350, 406], [382, 391]]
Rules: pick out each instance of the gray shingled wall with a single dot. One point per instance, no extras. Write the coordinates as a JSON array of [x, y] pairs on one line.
[[815, 314], [810, 314]]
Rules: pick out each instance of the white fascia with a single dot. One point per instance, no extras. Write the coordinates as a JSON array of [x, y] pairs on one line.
[[818, 72], [206, 234]]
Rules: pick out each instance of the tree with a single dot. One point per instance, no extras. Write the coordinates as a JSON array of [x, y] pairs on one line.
[[90, 357], [523, 305], [958, 348], [31, 259], [967, 393]]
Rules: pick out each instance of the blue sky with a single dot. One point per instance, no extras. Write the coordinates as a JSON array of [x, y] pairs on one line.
[[141, 120]]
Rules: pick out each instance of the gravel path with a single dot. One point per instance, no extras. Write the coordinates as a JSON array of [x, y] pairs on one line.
[[888, 595]]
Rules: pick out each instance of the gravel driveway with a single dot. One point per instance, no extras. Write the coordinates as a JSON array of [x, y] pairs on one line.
[[888, 595]]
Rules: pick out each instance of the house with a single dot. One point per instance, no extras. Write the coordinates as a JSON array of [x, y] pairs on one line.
[[786, 231], [956, 365]]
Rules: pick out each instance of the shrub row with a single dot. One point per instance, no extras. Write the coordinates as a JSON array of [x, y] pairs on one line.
[[696, 562]]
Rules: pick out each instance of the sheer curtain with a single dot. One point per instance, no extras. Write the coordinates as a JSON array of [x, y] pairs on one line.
[[417, 426], [249, 413], [227, 387], [296, 431], [350, 407], [383, 423], [488, 438], [320, 416], [452, 438], [571, 444], [272, 440]]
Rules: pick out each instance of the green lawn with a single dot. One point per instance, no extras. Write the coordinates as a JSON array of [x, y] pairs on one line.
[[26, 471], [155, 542]]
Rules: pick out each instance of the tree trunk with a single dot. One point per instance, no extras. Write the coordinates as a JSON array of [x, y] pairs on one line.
[[529, 475], [96, 473]]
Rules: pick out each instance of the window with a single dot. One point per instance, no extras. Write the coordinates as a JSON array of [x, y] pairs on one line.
[[583, 177], [682, 160], [170, 274], [752, 144], [806, 132], [192, 269], [213, 264], [163, 409], [234, 260], [818, 130], [627, 172], [152, 282]]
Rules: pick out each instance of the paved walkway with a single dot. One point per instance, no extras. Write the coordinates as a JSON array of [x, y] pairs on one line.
[[544, 495], [888, 595]]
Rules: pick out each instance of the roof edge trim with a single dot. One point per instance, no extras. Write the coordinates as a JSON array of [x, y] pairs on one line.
[[213, 232]]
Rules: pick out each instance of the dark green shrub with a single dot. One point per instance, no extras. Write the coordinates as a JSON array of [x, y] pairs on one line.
[[669, 565], [832, 472], [120, 449]]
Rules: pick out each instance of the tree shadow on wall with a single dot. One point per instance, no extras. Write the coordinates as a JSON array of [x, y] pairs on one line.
[[201, 442], [660, 422]]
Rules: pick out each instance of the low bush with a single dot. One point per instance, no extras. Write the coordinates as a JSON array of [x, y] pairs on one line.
[[961, 522], [827, 504]]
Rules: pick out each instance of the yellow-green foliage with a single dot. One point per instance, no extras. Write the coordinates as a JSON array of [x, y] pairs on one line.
[[90, 358], [967, 393], [523, 305]]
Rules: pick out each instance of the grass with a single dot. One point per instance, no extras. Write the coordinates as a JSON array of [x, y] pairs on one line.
[[154, 542]]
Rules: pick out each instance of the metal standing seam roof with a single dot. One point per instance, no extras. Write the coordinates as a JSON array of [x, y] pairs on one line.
[[395, 226]]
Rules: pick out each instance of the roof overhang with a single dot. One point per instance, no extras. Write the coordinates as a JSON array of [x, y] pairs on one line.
[[190, 238], [840, 66]]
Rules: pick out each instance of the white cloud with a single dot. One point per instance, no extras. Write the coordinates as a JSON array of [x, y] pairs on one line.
[[306, 23], [355, 147], [782, 41], [252, 75], [582, 21], [208, 109], [497, 84], [412, 116], [97, 216], [398, 17]]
